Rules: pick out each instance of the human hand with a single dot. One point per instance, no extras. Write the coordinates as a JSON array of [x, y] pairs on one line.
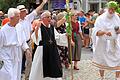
[[28, 55], [45, 1], [108, 33], [38, 25], [64, 19], [67, 34], [118, 31], [82, 38], [72, 43]]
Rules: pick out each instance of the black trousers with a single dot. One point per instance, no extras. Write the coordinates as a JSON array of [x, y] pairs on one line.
[[23, 63]]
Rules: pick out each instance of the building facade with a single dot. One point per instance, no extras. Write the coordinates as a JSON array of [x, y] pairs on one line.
[[93, 5], [84, 5]]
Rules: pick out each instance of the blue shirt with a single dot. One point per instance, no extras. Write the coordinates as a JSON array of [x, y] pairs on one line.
[[82, 19]]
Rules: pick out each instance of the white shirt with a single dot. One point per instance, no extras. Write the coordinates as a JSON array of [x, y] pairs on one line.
[[26, 24]]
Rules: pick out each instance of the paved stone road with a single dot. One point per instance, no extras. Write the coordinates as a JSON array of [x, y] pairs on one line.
[[87, 70]]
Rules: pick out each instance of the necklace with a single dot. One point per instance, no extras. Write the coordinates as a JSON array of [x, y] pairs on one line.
[[49, 35], [10, 25]]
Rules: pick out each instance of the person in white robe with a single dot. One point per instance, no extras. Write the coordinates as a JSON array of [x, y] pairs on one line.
[[38, 72], [25, 22], [106, 47], [12, 42]]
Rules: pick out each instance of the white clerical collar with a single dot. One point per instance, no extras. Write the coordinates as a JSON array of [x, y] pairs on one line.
[[45, 25]]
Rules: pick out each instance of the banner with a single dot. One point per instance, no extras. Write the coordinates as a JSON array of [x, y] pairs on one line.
[[59, 4]]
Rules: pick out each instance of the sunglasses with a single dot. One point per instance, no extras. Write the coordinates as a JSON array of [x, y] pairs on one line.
[[48, 17], [74, 15]]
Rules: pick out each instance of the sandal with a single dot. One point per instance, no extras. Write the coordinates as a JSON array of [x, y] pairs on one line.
[[75, 68]]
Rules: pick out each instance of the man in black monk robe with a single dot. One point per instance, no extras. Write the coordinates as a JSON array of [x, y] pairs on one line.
[[46, 63]]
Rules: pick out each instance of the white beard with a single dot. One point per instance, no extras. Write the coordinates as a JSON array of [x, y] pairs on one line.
[[110, 15]]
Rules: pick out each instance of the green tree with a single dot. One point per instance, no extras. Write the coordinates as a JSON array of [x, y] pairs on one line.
[[6, 4], [25, 2]]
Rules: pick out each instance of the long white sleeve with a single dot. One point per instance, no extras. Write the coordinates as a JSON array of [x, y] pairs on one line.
[[1, 39], [25, 45], [21, 37], [61, 39], [30, 17], [80, 30], [33, 36]]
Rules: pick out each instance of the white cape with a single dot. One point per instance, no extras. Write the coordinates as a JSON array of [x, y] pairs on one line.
[[106, 50]]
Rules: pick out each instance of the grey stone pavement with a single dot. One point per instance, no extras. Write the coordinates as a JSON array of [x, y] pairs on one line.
[[87, 70]]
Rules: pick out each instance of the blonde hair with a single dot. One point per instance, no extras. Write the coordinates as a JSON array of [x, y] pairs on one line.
[[74, 12], [60, 15]]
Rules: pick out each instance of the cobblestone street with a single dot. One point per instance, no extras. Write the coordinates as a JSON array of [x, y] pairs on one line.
[[87, 70], [59, 39]]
